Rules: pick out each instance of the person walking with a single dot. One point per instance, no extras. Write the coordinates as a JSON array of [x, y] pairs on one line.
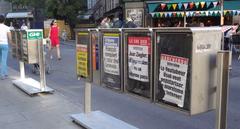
[[5, 37], [54, 38]]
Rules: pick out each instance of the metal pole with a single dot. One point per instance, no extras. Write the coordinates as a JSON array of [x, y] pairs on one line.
[[185, 19], [222, 13], [22, 69], [41, 64], [222, 89], [87, 97]]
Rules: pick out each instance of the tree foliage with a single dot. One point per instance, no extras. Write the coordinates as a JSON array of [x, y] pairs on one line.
[[60, 9]]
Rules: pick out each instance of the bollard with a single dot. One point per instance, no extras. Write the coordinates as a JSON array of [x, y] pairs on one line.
[[222, 89], [87, 97]]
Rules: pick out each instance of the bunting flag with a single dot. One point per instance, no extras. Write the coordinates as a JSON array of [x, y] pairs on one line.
[[174, 6], [209, 4], [161, 14], [169, 6], [163, 6], [224, 12], [215, 4], [202, 4], [180, 5], [185, 5], [174, 14], [152, 14], [207, 12], [197, 5]]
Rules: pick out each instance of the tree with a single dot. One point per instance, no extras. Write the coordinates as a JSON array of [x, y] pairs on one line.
[[60, 9]]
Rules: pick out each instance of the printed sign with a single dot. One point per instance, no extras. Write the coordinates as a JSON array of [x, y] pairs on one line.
[[138, 58], [82, 57], [173, 76], [34, 35], [111, 54]]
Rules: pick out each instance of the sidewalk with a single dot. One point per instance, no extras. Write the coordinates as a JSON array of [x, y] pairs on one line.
[[43, 111]]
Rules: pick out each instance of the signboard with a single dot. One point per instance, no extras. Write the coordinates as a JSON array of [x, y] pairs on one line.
[[82, 54], [82, 57], [31, 35], [172, 76], [111, 54], [139, 49], [136, 15]]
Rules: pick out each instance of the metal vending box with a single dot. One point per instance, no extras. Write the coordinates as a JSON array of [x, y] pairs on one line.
[[83, 55], [30, 41], [138, 62], [185, 68], [16, 44], [111, 58]]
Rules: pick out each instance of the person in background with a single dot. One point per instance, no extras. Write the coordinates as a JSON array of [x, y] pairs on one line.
[[24, 26], [5, 38], [54, 38]]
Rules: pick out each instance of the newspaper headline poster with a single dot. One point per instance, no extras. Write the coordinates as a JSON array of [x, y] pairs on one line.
[[82, 54], [111, 54], [173, 76], [139, 49]]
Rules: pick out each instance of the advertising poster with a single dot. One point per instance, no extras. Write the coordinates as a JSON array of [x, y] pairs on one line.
[[111, 54], [82, 57], [173, 76], [139, 49]]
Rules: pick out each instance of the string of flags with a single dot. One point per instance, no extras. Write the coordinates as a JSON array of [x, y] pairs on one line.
[[195, 13], [188, 6]]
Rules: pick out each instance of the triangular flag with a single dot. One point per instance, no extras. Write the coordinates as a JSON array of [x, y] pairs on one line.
[[161, 14], [178, 14], [152, 14], [207, 13], [235, 12], [187, 14], [169, 6], [157, 15], [163, 6], [174, 14], [210, 13], [174, 6], [208, 4], [197, 4], [183, 14], [224, 12], [202, 4], [180, 6], [191, 5], [191, 13], [185, 5], [169, 14], [215, 4], [215, 12]]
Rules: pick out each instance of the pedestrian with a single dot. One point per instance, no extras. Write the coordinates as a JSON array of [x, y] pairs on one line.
[[54, 38], [24, 26], [5, 37]]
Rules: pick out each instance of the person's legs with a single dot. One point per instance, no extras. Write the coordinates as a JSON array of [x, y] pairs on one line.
[[58, 52], [4, 55]]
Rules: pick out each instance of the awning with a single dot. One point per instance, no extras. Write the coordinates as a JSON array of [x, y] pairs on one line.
[[20, 15]]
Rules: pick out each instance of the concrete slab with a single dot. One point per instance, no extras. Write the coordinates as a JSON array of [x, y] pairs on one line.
[[100, 120]]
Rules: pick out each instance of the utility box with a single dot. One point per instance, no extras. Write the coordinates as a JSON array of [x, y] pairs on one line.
[[185, 71], [30, 42]]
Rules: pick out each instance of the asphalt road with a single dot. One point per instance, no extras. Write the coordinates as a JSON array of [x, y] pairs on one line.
[[138, 112]]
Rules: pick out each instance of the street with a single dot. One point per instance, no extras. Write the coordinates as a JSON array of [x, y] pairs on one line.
[[137, 112]]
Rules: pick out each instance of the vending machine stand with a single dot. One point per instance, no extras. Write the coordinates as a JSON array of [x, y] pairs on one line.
[[29, 85]]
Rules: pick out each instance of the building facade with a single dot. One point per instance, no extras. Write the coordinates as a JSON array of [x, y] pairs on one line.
[[5, 7]]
